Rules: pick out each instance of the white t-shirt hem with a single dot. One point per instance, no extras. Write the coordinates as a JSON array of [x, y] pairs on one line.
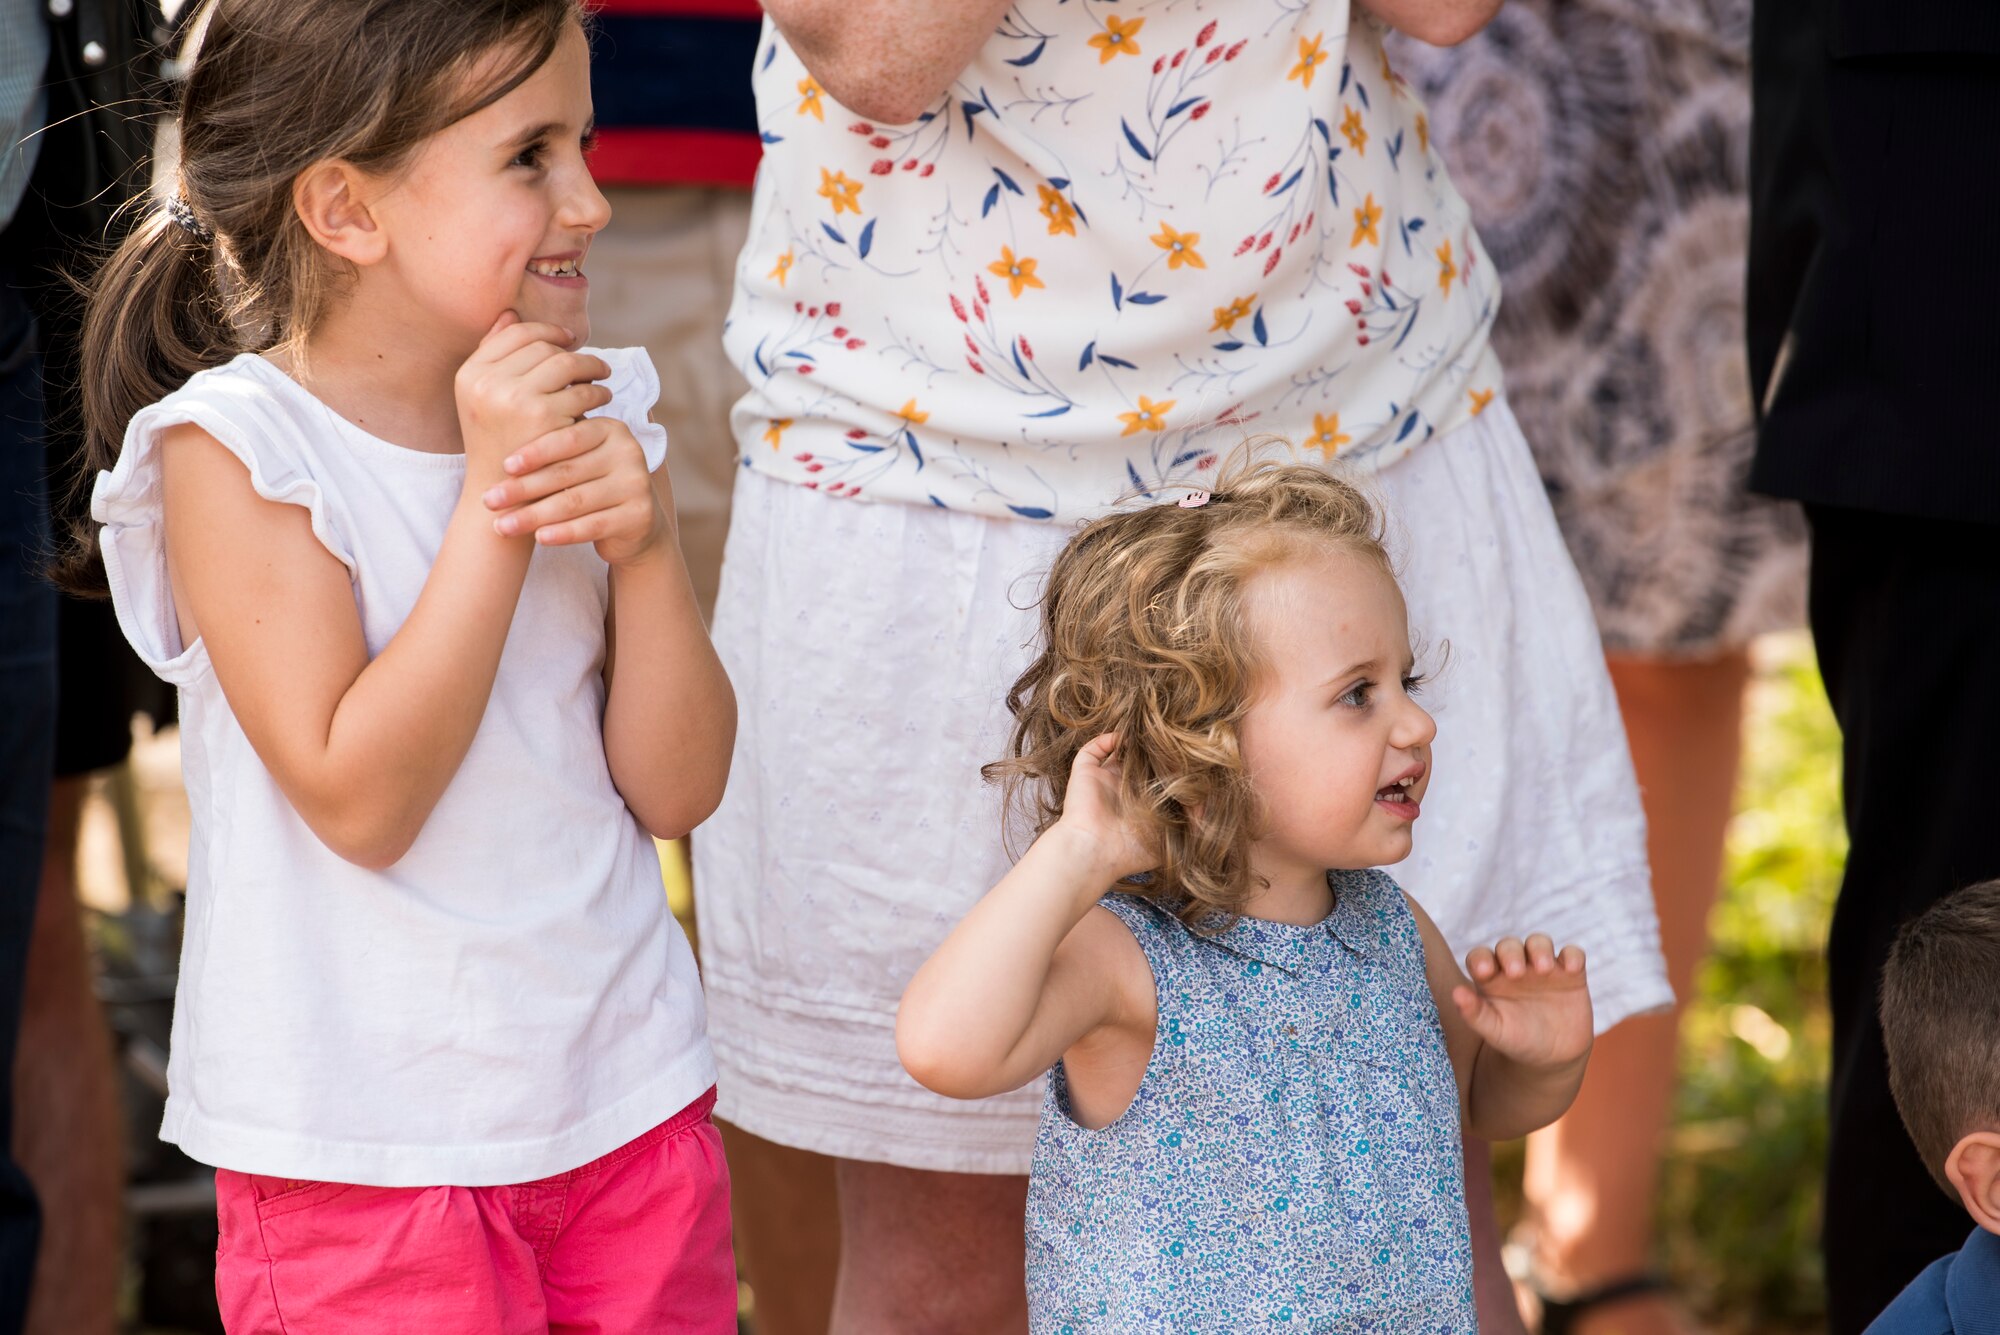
[[276, 1154]]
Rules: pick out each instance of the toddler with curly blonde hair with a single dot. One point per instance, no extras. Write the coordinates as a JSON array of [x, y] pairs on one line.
[[1260, 1051]]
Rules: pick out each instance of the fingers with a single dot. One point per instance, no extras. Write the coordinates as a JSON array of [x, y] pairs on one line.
[[1480, 964], [625, 518], [569, 504], [561, 458], [1572, 959], [576, 400], [1513, 958], [1100, 749], [508, 340], [1541, 953], [566, 369]]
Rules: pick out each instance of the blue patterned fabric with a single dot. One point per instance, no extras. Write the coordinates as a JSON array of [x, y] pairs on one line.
[[1291, 1161]]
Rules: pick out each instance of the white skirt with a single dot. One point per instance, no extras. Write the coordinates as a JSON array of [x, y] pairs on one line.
[[871, 647]]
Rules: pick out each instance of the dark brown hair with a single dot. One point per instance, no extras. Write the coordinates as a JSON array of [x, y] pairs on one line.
[[1143, 634], [275, 87], [1941, 1022]]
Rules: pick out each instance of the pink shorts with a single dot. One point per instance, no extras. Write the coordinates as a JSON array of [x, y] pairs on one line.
[[636, 1241]]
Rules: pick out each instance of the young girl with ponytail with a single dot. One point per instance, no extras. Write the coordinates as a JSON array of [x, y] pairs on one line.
[[408, 551]]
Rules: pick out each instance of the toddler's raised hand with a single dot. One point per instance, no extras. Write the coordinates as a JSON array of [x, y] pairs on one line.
[[1528, 1002], [521, 383], [1095, 815]]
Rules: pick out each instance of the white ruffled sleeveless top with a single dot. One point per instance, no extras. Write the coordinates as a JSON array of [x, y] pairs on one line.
[[512, 998]]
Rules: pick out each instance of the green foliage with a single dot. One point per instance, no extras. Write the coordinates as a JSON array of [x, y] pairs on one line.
[[1741, 1191]]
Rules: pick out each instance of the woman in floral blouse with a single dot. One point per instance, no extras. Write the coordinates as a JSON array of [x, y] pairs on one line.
[[1007, 267]]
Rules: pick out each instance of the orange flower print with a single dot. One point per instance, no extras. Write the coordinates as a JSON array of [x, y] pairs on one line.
[[1311, 57], [1119, 38], [1058, 210], [1327, 437], [1150, 417], [1179, 247], [783, 267], [1423, 133], [809, 91], [1366, 215], [1480, 398], [1019, 273], [1227, 316], [1446, 269], [909, 413], [1352, 129], [841, 192], [776, 431]]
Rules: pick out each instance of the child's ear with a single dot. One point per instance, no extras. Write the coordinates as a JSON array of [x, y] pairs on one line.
[[1973, 1166], [332, 201]]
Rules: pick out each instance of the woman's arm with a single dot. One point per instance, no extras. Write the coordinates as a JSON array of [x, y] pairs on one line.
[[363, 750], [1518, 1030], [1439, 22], [888, 60]]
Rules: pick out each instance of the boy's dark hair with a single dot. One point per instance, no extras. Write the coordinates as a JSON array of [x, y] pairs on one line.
[[1941, 1022]]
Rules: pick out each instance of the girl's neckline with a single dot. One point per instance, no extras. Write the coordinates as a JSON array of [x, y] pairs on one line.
[[356, 434]]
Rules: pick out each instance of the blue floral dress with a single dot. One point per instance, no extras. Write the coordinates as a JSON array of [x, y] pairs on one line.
[[1291, 1161]]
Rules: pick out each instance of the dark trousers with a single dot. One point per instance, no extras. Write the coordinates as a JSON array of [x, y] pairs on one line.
[[1906, 615], [27, 750]]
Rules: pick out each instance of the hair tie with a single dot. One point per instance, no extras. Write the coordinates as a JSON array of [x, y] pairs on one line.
[[1194, 500], [182, 215]]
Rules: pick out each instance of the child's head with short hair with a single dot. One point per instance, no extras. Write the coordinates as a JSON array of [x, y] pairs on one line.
[[1252, 654], [1941, 1026]]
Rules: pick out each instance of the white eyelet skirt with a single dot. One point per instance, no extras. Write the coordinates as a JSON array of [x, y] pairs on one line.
[[871, 646]]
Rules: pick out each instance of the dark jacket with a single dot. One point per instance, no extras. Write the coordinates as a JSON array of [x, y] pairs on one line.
[[1957, 1295], [1874, 290]]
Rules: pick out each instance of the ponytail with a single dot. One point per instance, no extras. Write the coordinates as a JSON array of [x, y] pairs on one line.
[[154, 317]]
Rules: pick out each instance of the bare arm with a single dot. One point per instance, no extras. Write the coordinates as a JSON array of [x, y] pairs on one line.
[[888, 60], [1439, 22], [670, 720], [363, 750], [1036, 968], [1519, 1037]]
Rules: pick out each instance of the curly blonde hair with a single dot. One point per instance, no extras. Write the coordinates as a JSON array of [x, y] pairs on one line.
[[1143, 634]]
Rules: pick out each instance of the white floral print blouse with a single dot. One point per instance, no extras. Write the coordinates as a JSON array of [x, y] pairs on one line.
[[1130, 235]]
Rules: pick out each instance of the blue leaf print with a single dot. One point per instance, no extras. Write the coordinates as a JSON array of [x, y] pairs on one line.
[[927, 118], [1078, 207], [1033, 55], [1361, 91], [1333, 188], [1052, 412], [1117, 294], [1324, 132], [1232, 345], [910, 439], [1019, 365], [1346, 73], [758, 357], [1145, 298], [864, 447], [992, 198], [1133, 140], [1007, 180], [770, 54], [829, 229], [1137, 483], [1059, 183], [1032, 512], [988, 102], [1186, 457], [970, 109], [802, 356], [938, 503], [1082, 363], [1110, 360], [1290, 181], [1415, 224], [867, 241], [1183, 105], [1257, 328], [1409, 425], [770, 138], [1396, 150]]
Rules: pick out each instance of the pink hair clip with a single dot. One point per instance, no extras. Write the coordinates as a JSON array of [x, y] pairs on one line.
[[1194, 500]]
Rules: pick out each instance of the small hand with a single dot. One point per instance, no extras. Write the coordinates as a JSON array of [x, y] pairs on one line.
[[585, 482], [1527, 1002], [1096, 816], [521, 383]]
